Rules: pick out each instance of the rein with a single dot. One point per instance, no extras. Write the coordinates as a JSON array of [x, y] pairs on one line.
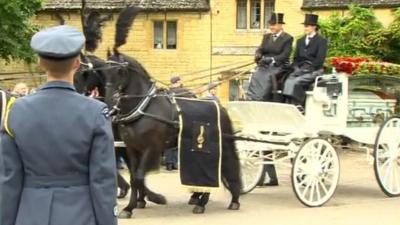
[[109, 65], [139, 110], [190, 91]]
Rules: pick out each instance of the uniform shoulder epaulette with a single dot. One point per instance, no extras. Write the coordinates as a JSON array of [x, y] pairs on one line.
[[8, 109]]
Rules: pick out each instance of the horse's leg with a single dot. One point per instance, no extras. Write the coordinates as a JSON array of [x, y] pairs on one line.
[[122, 184], [195, 198], [148, 161], [230, 163], [201, 205], [133, 164], [231, 173], [141, 204], [154, 197]]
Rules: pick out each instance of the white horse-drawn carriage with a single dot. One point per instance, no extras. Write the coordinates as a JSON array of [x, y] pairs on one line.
[[339, 111]]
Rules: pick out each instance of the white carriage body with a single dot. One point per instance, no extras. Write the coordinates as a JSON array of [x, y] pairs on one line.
[[348, 113], [287, 137]]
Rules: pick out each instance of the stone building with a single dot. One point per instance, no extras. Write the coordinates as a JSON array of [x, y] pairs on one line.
[[187, 36]]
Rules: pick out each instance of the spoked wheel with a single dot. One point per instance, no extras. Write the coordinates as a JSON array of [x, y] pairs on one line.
[[387, 157], [251, 167], [315, 172]]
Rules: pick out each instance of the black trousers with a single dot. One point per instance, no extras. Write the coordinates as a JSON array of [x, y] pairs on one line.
[[171, 156]]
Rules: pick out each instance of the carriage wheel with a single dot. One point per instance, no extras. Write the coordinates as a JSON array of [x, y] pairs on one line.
[[315, 172], [387, 157], [251, 167]]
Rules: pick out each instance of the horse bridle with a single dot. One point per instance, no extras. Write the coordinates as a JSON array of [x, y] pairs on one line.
[[139, 110]]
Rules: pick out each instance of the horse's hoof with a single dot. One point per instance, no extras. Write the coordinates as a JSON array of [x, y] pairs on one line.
[[158, 199], [125, 215], [141, 205], [193, 201], [199, 209], [234, 206], [123, 193]]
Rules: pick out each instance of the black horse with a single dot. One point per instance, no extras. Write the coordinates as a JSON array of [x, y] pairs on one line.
[[90, 78], [148, 135]]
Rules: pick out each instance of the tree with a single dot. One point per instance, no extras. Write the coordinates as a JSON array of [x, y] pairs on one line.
[[17, 28], [348, 34], [386, 41]]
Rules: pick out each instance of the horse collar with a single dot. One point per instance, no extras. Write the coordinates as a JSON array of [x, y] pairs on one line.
[[137, 112]]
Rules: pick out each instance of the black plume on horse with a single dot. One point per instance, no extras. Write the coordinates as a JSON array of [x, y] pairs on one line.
[[92, 29], [124, 24]]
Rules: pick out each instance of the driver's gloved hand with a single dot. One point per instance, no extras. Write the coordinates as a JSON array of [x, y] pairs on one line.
[[258, 57], [266, 61]]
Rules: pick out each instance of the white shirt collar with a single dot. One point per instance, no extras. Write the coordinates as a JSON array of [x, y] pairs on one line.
[[278, 34], [311, 35]]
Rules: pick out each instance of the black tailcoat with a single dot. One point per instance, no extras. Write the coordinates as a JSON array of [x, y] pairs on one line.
[[315, 52], [280, 49]]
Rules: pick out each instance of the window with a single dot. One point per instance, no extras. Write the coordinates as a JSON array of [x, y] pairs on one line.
[[158, 34], [258, 12], [269, 8], [165, 34], [255, 14], [171, 34], [241, 17]]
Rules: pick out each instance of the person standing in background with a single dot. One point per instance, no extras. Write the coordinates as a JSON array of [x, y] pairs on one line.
[[212, 92], [20, 90]]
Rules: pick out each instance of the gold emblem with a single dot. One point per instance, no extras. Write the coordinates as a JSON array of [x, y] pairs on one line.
[[200, 138]]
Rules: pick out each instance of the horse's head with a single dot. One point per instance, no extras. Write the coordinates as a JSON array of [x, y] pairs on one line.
[[125, 79], [89, 79]]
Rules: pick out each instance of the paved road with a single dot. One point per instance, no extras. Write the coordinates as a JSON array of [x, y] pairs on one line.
[[358, 200]]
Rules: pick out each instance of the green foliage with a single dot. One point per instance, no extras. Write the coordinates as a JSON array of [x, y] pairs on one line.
[[348, 34], [386, 41], [16, 29]]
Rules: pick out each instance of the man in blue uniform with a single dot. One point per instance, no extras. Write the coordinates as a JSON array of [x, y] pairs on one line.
[[57, 160]]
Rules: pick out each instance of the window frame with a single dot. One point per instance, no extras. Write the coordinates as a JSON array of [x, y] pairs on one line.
[[271, 4], [245, 16], [254, 14], [167, 34], [162, 35], [264, 17]]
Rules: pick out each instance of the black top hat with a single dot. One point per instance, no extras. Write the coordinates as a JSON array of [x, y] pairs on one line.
[[311, 19], [276, 18]]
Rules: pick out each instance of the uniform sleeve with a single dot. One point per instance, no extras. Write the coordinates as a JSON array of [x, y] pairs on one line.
[[11, 179], [103, 173]]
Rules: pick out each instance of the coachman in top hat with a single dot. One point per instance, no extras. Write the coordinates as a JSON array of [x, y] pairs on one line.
[[272, 58], [309, 58]]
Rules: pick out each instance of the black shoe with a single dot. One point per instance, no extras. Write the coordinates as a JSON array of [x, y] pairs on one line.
[[170, 167], [174, 167], [300, 108], [272, 183]]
